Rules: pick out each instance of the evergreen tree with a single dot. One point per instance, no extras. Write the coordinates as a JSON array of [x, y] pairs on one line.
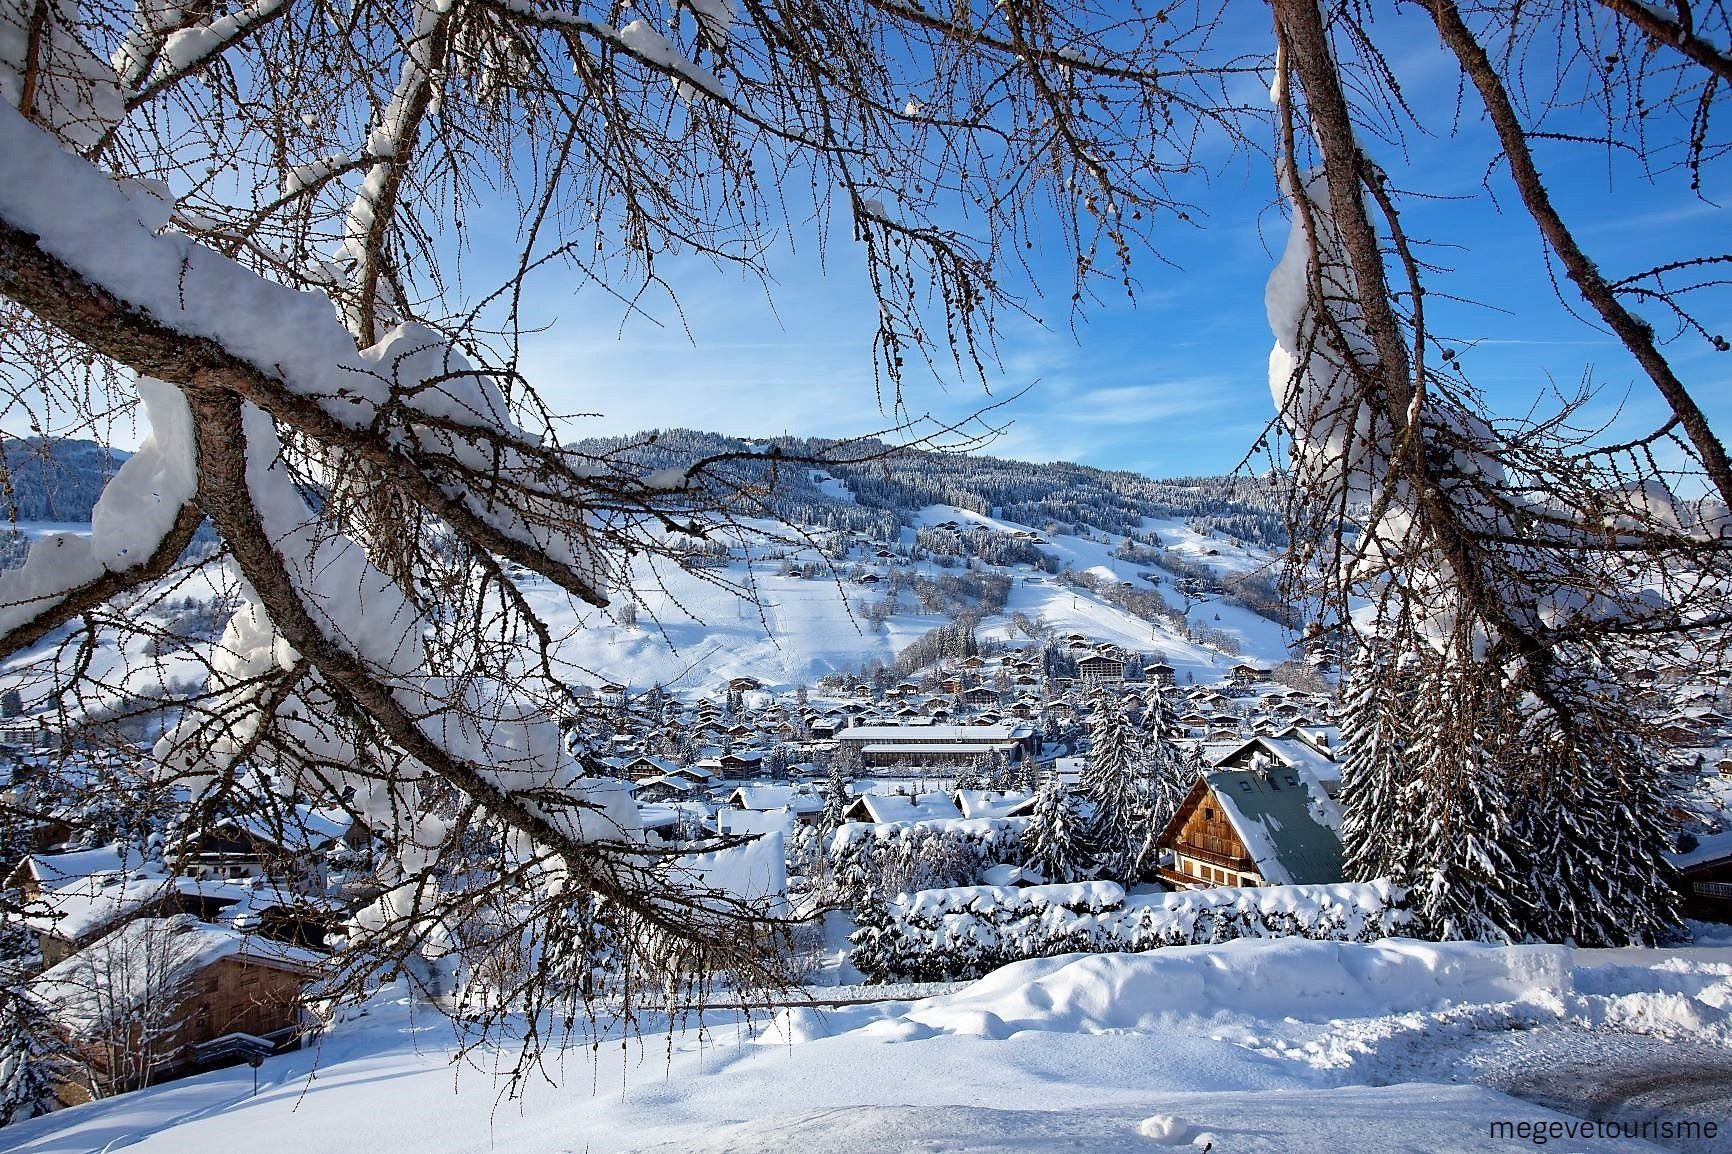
[[1455, 840], [30, 1057], [1167, 772], [1052, 841], [1375, 820], [1110, 783], [1590, 815], [835, 801]]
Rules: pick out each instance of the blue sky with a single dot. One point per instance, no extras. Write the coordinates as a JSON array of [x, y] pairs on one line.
[[1176, 383]]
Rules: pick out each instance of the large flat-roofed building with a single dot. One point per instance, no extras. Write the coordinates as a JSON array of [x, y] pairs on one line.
[[938, 745]]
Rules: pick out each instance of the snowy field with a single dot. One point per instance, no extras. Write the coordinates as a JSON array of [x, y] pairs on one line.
[[1254, 1046]]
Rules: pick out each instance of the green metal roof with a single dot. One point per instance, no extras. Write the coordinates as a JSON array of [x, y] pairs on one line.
[[1276, 816]]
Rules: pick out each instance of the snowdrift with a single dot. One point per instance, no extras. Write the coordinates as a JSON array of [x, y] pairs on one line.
[[1310, 981]]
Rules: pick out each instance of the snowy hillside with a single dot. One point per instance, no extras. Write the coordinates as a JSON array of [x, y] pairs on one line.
[[1283, 1047], [828, 585], [860, 531], [695, 628]]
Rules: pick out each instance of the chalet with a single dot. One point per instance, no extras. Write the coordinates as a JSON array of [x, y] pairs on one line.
[[1705, 876], [289, 845], [72, 899], [742, 763], [1161, 673], [805, 806], [1265, 825], [1293, 749], [211, 995], [878, 808], [643, 767], [1100, 669], [662, 788]]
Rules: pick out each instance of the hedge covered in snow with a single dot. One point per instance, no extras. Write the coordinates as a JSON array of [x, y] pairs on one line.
[[967, 931], [894, 857]]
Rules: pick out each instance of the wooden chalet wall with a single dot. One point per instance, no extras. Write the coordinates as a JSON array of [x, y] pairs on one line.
[[232, 995], [1206, 850]]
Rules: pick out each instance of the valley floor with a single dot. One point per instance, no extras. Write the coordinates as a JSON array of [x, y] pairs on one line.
[[1253, 1046]]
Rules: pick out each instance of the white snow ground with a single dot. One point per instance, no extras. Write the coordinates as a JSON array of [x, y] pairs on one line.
[[1255, 1046]]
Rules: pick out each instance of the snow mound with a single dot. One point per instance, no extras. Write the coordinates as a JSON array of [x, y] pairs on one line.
[[1278, 978], [1164, 1129]]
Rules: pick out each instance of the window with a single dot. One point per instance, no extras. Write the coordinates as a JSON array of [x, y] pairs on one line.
[[1208, 813]]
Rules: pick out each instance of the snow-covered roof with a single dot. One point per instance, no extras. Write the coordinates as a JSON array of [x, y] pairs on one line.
[[303, 828], [1708, 848], [1289, 826], [937, 734], [1289, 751], [148, 958], [754, 821], [766, 797], [56, 870], [88, 905], [887, 807], [990, 802]]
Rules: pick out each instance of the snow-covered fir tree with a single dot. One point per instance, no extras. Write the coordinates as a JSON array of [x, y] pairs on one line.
[[835, 800], [1053, 841], [1111, 783], [1589, 818], [1536, 830], [1456, 844], [31, 1055], [1167, 771], [1375, 816]]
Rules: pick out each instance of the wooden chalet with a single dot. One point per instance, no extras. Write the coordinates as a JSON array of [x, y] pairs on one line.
[[1705, 877], [1268, 825], [212, 997]]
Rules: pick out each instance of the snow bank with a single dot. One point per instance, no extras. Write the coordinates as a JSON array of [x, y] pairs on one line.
[[964, 932], [1311, 981]]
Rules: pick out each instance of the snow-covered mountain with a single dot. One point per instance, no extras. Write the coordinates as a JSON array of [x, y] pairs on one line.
[[844, 564], [55, 479], [842, 555]]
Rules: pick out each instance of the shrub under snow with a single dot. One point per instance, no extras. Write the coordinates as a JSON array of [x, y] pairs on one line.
[[964, 932]]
